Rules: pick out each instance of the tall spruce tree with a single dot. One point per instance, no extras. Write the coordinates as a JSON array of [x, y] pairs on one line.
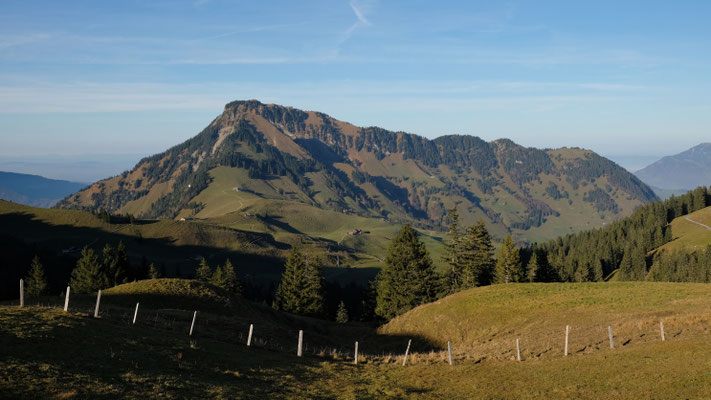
[[408, 277], [36, 280], [342, 313], [301, 290], [88, 276], [452, 254], [153, 272], [203, 271], [508, 263], [226, 278], [478, 254]]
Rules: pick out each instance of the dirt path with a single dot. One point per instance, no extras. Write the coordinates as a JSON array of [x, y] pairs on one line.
[[698, 223]]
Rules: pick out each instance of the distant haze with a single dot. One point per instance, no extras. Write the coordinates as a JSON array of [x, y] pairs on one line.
[[76, 168]]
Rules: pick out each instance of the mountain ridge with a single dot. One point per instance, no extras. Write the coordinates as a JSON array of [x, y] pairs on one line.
[[684, 171], [310, 157], [35, 190]]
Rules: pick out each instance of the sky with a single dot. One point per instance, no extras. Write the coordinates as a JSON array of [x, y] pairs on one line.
[[629, 80]]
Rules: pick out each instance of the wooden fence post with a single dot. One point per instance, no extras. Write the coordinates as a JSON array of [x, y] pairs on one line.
[[301, 342], [249, 337], [22, 293], [407, 351], [518, 351], [449, 351], [567, 333], [661, 329], [98, 300], [609, 333], [66, 299], [192, 326], [135, 314], [355, 359]]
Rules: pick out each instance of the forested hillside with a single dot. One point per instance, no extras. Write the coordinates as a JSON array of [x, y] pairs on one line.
[[281, 153], [637, 247]]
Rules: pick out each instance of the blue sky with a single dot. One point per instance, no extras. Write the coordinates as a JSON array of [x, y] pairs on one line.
[[622, 78]]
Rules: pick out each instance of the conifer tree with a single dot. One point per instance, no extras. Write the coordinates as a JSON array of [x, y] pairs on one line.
[[88, 276], [533, 267], [301, 288], [408, 278], [36, 281], [478, 254], [342, 313], [452, 253], [203, 271], [508, 263], [226, 278], [153, 272], [123, 265]]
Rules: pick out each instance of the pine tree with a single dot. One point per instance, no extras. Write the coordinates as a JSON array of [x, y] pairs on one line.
[[153, 272], [452, 253], [123, 265], [88, 276], [203, 271], [508, 263], [533, 267], [226, 278], [478, 254], [408, 277], [36, 281], [301, 288], [342, 313]]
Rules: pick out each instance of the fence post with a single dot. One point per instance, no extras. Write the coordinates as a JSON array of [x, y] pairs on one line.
[[193, 324], [407, 351], [249, 337], [567, 333], [609, 333], [98, 300], [518, 351], [135, 314], [355, 359], [22, 293], [661, 328], [301, 342], [66, 299], [449, 351]]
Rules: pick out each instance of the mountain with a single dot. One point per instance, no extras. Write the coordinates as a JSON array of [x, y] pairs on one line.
[[35, 190], [256, 153], [686, 170]]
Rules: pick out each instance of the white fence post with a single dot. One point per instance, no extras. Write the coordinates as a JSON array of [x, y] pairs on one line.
[[449, 351], [567, 333], [22, 293], [135, 314], [66, 299], [98, 300], [355, 358], [192, 326], [407, 351], [249, 337], [609, 333], [661, 329], [518, 350], [301, 342]]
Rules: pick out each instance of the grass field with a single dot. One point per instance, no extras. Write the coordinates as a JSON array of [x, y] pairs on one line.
[[51, 354]]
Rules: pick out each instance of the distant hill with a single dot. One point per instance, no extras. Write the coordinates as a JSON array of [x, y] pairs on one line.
[[686, 170], [35, 190], [256, 153]]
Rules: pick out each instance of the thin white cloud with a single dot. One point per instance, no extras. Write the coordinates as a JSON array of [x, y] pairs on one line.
[[358, 13]]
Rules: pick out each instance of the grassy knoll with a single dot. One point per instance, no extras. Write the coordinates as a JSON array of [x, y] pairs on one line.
[[689, 236], [485, 322], [51, 354]]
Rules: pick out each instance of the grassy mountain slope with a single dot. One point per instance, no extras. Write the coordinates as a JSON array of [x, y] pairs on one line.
[[280, 153], [49, 353], [35, 190], [688, 235]]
